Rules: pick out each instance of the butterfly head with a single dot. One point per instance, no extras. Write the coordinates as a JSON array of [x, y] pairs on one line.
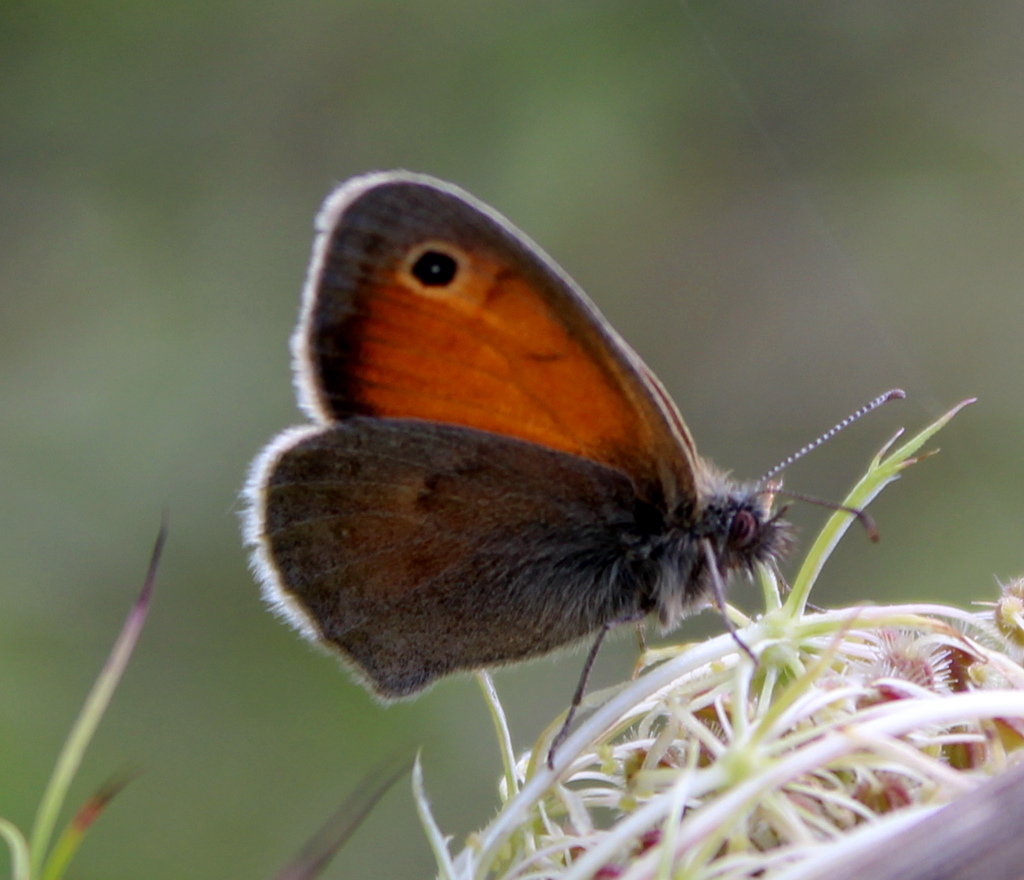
[[742, 530]]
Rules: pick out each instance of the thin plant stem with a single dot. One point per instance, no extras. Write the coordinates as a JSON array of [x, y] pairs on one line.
[[19, 850], [89, 718]]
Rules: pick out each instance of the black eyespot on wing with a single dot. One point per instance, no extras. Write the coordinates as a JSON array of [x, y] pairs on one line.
[[435, 269]]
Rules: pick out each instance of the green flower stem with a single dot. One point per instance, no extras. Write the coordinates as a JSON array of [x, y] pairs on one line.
[[879, 475]]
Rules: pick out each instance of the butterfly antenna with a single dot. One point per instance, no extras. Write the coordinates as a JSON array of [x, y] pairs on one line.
[[862, 516], [895, 394]]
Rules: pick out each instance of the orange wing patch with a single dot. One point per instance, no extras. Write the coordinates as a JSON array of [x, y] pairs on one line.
[[487, 354]]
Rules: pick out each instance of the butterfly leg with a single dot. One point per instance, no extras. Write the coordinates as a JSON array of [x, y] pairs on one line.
[[581, 688], [718, 588], [577, 697]]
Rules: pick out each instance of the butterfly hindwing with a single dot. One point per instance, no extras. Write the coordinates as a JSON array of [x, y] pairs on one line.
[[389, 534]]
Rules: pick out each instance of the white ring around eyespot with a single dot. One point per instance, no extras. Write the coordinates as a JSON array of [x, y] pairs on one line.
[[439, 291]]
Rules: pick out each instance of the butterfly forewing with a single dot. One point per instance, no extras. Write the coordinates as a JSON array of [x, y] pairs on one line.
[[421, 303]]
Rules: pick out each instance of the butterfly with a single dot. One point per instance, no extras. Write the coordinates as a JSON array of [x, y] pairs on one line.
[[490, 472]]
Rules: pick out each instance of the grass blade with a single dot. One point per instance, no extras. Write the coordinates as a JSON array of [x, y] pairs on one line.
[[89, 717]]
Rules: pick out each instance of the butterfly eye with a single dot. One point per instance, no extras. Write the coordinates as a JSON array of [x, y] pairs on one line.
[[743, 529], [435, 269]]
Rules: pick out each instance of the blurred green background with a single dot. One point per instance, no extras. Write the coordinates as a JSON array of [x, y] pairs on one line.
[[786, 208]]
